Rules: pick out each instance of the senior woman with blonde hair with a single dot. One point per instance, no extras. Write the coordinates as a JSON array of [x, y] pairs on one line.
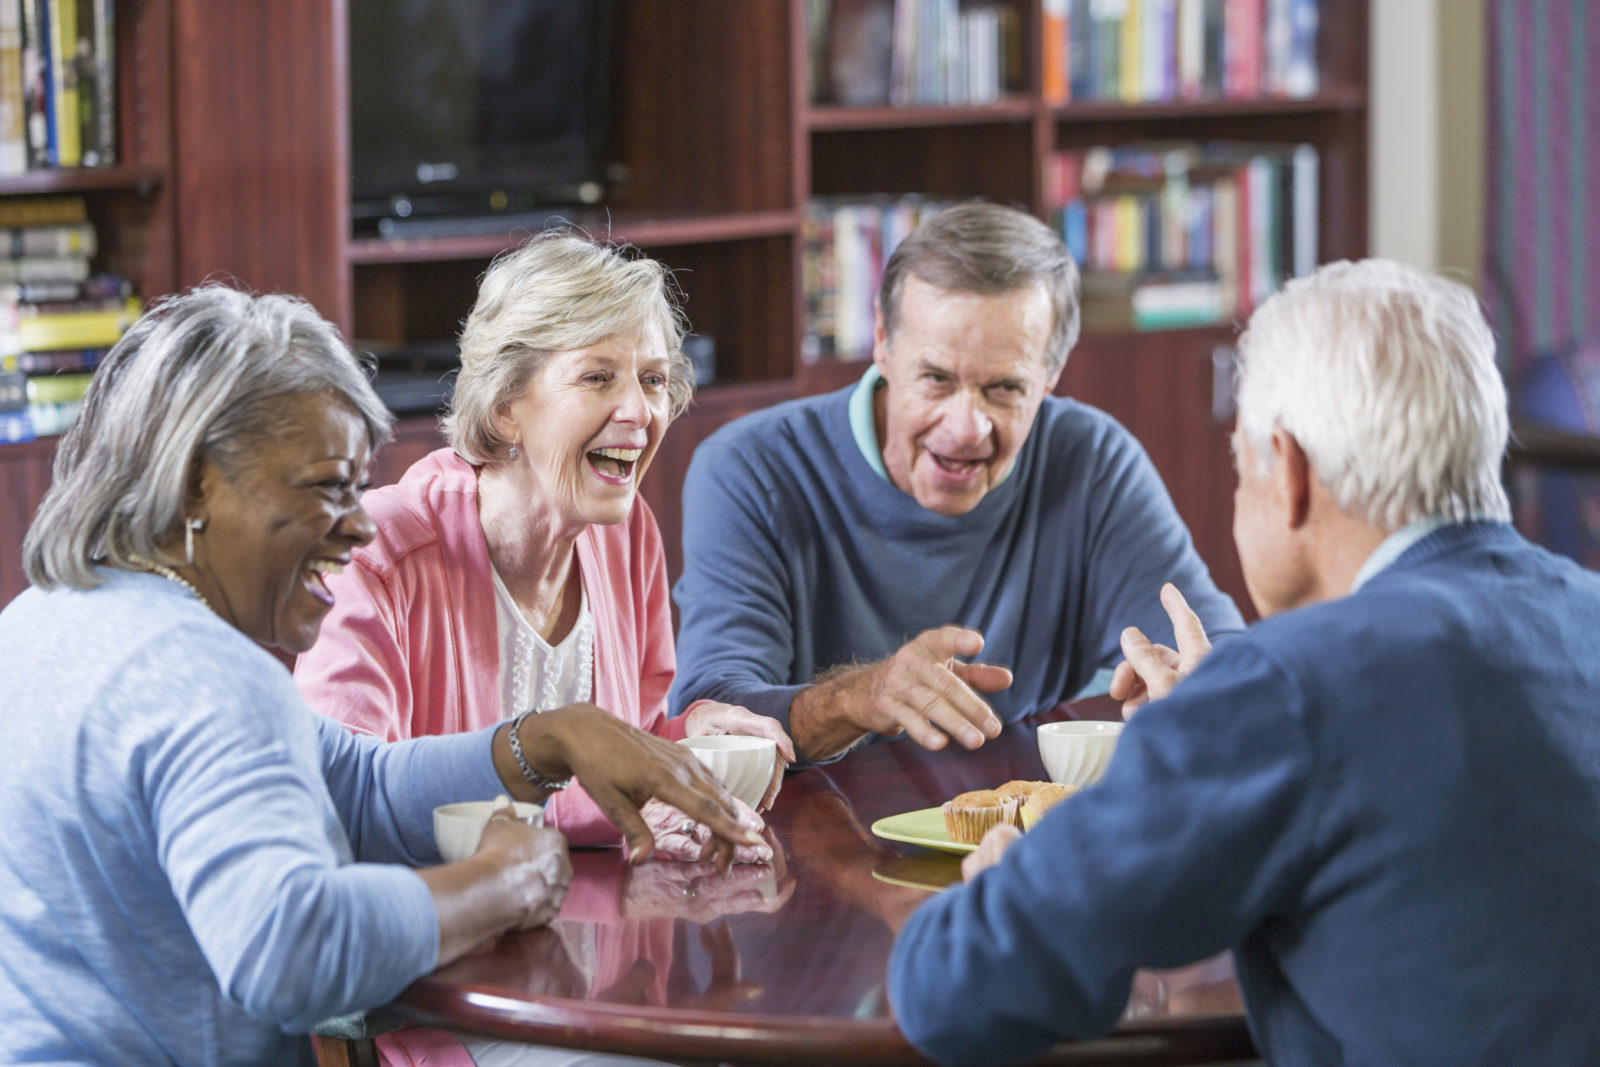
[[178, 874], [517, 570]]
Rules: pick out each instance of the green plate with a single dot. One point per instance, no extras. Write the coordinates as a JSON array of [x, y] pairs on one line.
[[925, 828]]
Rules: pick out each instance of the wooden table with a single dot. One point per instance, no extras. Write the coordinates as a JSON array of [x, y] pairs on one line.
[[786, 965]]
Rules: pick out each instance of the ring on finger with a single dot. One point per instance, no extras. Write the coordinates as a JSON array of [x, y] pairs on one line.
[[689, 828]]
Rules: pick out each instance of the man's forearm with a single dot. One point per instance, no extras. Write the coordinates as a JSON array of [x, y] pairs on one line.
[[823, 720]]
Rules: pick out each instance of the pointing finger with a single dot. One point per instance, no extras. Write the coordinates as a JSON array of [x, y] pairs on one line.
[[1186, 625]]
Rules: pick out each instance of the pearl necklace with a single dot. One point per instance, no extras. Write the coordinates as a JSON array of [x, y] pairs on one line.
[[173, 576]]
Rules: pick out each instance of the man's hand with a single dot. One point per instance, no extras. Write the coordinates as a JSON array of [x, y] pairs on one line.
[[994, 844], [921, 690], [621, 768], [708, 717], [1151, 670]]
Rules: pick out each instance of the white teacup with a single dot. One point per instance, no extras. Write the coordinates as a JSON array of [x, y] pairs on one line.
[[1076, 753], [743, 764], [457, 828]]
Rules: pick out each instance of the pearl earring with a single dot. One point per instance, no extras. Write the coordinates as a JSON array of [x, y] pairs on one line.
[[190, 528], [514, 453]]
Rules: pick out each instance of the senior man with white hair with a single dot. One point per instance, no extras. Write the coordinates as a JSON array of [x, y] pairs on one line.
[[1385, 798]]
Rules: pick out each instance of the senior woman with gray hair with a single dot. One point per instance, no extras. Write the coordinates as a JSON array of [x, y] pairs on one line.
[[178, 876], [517, 570]]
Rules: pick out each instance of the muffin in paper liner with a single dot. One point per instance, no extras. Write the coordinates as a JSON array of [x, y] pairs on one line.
[[1019, 790], [968, 816], [1041, 801]]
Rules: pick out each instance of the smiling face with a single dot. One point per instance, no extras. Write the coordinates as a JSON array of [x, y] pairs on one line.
[[274, 528], [966, 376], [588, 424]]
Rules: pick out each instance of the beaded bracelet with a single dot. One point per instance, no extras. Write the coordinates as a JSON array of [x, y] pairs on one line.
[[535, 779]]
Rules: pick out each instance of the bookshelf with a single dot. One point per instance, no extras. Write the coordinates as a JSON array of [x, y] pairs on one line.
[[241, 112], [132, 207]]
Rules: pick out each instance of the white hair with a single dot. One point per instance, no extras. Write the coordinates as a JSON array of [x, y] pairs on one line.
[[560, 291], [1386, 377], [201, 376]]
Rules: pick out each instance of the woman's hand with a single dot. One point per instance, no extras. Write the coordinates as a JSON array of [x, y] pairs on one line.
[[707, 717], [679, 837], [515, 880], [622, 768]]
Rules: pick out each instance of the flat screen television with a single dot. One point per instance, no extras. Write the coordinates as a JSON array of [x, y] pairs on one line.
[[474, 109]]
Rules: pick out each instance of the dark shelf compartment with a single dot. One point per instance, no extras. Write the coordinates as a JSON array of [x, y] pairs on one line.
[[1340, 100], [654, 231], [1006, 109], [82, 179]]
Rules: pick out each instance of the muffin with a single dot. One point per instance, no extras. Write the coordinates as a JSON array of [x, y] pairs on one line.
[[1042, 800], [968, 816], [1019, 791]]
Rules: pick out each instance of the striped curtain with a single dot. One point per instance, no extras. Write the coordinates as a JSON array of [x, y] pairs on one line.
[[1541, 282]]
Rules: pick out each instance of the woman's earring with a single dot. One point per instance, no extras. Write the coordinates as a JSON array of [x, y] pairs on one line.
[[190, 528], [514, 453]]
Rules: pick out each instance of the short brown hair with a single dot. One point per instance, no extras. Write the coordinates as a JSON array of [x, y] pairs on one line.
[[989, 249]]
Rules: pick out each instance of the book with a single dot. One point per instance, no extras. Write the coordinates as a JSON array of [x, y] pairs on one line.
[[36, 82], [65, 114], [860, 51], [97, 81], [13, 390], [57, 388], [13, 117], [44, 269], [1055, 31], [67, 361], [95, 287], [42, 210], [15, 427], [75, 329], [73, 240]]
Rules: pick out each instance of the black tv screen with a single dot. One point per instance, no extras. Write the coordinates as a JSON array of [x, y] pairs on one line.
[[477, 107]]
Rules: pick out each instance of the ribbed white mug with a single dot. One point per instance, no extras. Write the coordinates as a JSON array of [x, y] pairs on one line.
[[1077, 753], [741, 763]]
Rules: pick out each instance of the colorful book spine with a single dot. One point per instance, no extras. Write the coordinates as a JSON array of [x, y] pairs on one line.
[[1242, 48], [97, 81], [13, 111], [36, 82], [66, 116], [75, 329], [44, 269], [74, 240], [1054, 33]]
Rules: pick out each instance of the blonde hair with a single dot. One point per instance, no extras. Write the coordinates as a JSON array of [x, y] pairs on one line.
[[201, 376], [1386, 377], [559, 291]]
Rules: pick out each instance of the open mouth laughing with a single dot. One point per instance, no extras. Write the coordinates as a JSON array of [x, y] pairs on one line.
[[314, 577], [614, 465]]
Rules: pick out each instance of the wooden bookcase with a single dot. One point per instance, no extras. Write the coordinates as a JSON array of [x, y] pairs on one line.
[[723, 150]]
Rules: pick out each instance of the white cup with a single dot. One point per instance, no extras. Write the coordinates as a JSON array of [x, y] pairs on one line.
[[1076, 753], [457, 828], [742, 764]]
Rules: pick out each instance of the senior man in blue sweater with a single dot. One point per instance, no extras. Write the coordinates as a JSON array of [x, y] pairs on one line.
[[841, 552], [1385, 798]]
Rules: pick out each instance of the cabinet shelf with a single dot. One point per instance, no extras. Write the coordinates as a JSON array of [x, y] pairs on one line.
[[1006, 109], [82, 179], [1338, 101], [655, 231]]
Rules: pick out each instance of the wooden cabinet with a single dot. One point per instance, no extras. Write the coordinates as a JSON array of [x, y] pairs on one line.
[[248, 158]]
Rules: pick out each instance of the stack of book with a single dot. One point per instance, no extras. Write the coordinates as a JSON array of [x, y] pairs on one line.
[[57, 319], [931, 52], [846, 244], [58, 84], [1185, 235], [1143, 51]]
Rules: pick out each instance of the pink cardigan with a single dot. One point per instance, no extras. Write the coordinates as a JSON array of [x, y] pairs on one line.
[[411, 647]]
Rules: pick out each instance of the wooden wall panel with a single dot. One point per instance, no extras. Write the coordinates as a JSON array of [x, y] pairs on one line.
[[261, 157]]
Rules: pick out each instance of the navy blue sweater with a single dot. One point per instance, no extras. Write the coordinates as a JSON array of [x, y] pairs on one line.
[[798, 557], [1388, 805]]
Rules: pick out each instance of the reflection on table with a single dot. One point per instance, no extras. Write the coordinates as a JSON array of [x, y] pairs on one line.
[[786, 964]]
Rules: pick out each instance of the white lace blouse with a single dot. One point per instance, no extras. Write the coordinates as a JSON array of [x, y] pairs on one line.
[[534, 674]]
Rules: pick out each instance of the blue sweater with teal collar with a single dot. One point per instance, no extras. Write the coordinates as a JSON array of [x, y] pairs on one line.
[[1387, 805]]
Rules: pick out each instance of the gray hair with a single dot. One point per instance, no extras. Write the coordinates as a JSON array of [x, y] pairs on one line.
[[988, 249], [201, 376], [560, 291], [1386, 377]]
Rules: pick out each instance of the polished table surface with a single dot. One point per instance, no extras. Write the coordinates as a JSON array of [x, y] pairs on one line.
[[786, 964]]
